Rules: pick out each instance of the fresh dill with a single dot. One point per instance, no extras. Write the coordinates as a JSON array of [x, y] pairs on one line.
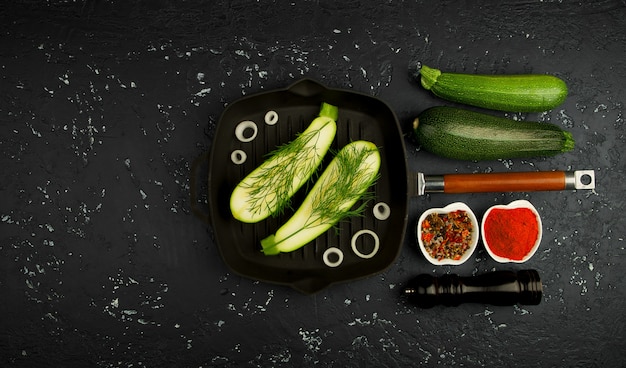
[[347, 182], [272, 186], [343, 183]]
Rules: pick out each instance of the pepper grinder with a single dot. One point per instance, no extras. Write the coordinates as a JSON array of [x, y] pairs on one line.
[[497, 288]]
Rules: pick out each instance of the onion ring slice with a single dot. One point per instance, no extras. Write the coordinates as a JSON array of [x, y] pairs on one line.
[[271, 117], [241, 128], [328, 252], [238, 157], [381, 211], [376, 243]]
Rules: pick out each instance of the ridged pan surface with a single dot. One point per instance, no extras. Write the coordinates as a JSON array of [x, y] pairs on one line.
[[360, 117]]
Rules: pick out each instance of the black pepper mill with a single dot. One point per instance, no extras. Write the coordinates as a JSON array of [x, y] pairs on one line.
[[497, 288]]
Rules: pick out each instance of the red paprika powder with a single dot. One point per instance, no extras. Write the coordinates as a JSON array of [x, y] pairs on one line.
[[511, 233]]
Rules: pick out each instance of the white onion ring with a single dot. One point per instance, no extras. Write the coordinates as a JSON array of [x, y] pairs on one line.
[[271, 117], [238, 157], [381, 211], [328, 252], [376, 243], [242, 127]]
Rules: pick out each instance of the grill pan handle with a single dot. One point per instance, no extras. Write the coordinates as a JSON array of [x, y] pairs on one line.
[[505, 182], [196, 166], [309, 285], [306, 88]]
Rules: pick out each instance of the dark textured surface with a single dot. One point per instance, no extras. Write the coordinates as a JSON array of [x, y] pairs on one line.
[[105, 105]]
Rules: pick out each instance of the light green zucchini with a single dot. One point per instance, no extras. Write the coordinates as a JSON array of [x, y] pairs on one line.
[[515, 93]]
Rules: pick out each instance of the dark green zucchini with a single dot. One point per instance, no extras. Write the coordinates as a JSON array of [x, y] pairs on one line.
[[467, 135], [515, 93]]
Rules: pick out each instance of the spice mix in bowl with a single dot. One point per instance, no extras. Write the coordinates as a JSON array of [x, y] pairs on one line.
[[448, 235], [512, 233]]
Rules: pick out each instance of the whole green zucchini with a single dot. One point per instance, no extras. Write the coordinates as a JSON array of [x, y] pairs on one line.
[[467, 135], [516, 93]]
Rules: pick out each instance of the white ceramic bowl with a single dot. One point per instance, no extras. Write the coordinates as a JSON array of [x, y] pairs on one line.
[[515, 204], [473, 240]]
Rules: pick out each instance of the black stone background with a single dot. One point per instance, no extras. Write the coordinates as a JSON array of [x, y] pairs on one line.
[[105, 104]]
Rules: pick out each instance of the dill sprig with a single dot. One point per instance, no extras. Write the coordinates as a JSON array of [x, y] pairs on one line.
[[347, 182], [272, 184]]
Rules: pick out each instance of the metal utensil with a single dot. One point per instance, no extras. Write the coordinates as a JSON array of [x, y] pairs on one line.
[[504, 182]]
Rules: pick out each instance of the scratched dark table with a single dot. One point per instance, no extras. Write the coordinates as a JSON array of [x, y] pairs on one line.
[[105, 105]]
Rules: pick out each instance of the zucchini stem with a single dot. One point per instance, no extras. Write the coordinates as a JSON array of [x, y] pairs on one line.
[[569, 143], [329, 111], [429, 76]]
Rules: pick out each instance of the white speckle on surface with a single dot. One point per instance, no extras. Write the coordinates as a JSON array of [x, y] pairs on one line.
[[600, 107], [359, 322], [487, 312], [567, 121], [360, 341], [597, 278], [143, 194], [311, 339], [35, 132], [242, 53], [203, 92], [65, 79]]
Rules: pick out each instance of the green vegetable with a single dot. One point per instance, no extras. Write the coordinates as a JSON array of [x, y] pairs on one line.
[[517, 93], [468, 135], [269, 188], [346, 179]]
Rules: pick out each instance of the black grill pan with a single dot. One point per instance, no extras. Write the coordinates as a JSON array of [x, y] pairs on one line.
[[360, 117]]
